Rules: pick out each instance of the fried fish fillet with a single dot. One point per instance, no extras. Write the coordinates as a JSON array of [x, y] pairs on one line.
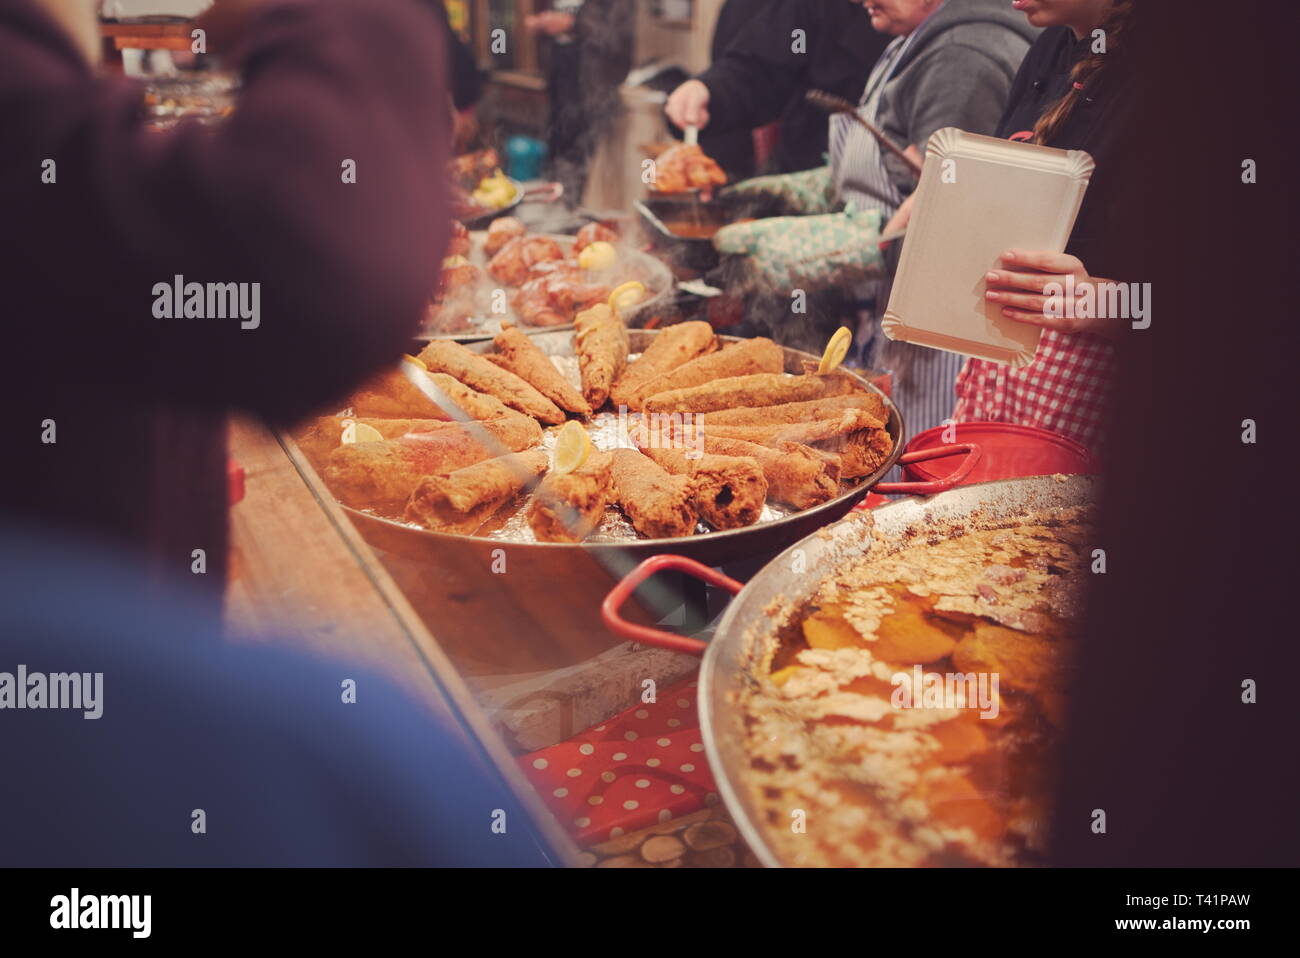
[[476, 371], [461, 500], [669, 349], [392, 395], [796, 475], [566, 508]]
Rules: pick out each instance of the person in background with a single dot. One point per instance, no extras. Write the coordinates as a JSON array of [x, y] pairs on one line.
[[119, 413], [731, 149], [1069, 94], [465, 82], [950, 64], [590, 56], [786, 48]]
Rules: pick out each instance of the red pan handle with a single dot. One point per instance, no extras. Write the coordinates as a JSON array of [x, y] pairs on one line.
[[971, 450], [609, 609]]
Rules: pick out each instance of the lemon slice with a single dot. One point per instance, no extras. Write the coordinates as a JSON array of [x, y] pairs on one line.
[[626, 295], [836, 350], [360, 432], [598, 255], [416, 361], [572, 447], [451, 262]]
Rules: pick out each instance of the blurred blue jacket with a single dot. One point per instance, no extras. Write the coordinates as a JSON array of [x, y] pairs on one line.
[[255, 736]]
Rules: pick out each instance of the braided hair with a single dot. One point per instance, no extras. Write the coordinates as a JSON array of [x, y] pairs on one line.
[[1087, 69]]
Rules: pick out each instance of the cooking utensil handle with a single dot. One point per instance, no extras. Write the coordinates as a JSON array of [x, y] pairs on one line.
[[609, 609], [543, 193], [971, 451]]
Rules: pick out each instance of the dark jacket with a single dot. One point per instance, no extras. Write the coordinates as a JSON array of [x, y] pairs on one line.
[[760, 78], [1097, 124], [139, 403], [733, 149], [956, 72]]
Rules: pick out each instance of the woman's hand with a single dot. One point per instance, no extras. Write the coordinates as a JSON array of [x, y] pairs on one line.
[[689, 105], [1018, 287]]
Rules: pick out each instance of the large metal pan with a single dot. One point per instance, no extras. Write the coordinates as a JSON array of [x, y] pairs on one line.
[[748, 622], [455, 581], [711, 548]]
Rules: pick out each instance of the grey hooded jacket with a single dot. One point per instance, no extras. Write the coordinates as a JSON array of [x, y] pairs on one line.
[[956, 72]]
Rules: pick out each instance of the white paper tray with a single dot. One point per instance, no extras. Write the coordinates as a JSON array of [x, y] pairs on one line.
[[979, 197]]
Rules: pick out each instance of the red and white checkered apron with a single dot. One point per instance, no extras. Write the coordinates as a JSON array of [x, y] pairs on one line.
[[1063, 390]]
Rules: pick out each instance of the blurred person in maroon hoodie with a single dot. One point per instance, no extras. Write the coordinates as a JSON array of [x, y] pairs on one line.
[[117, 411]]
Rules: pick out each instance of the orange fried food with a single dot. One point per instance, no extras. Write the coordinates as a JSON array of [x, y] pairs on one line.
[[728, 491], [657, 503], [673, 346], [513, 262], [683, 167], [500, 232], [758, 389], [568, 507], [758, 355], [859, 439], [477, 372], [554, 293], [600, 340], [828, 629], [461, 500]]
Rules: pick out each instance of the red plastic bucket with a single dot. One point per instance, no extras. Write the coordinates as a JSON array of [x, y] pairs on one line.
[[1008, 451]]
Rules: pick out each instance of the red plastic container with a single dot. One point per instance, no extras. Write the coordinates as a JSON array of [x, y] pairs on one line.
[[1008, 451]]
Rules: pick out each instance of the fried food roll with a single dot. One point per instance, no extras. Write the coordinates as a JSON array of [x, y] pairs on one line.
[[381, 475], [566, 508], [392, 395], [857, 437], [759, 389], [476, 371], [463, 499], [796, 475], [727, 491], [521, 355], [808, 411], [671, 348], [657, 503], [746, 358], [600, 340]]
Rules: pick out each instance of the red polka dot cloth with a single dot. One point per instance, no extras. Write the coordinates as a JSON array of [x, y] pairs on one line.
[[642, 766]]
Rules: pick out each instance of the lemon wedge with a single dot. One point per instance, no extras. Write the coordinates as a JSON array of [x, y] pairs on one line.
[[416, 361], [598, 255], [836, 350], [572, 447], [360, 432], [626, 295]]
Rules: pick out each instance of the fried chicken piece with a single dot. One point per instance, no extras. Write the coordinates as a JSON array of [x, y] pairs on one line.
[[683, 167], [381, 475], [806, 411], [600, 340], [476, 371], [461, 500], [554, 292], [657, 503], [568, 507], [759, 389], [521, 355], [758, 355], [513, 262], [501, 231], [859, 439], [670, 348]]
